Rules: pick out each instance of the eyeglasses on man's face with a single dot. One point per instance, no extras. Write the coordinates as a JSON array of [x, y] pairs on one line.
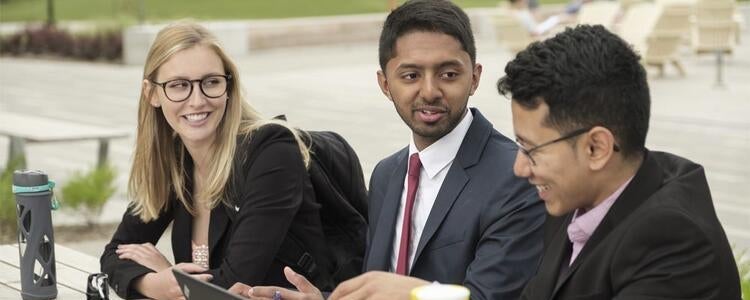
[[528, 152], [178, 90]]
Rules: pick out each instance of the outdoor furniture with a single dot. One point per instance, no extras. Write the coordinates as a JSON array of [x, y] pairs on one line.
[[675, 17], [715, 31], [599, 13], [649, 27], [625, 5], [663, 49], [671, 28], [637, 23], [73, 269], [714, 10], [23, 128]]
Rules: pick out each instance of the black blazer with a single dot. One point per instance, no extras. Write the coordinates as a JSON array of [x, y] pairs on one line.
[[660, 240], [270, 198], [485, 228]]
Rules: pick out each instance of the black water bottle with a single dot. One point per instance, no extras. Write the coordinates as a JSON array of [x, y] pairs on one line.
[[36, 242]]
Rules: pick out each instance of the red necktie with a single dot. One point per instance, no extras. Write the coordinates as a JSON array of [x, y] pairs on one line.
[[402, 264]]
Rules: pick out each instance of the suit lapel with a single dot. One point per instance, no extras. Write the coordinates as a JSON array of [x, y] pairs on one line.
[[646, 181], [382, 241], [217, 226], [450, 190], [182, 234], [555, 253], [468, 155]]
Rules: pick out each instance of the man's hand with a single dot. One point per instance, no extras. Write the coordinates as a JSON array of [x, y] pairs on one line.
[[305, 289], [144, 254], [240, 289], [377, 285], [163, 285]]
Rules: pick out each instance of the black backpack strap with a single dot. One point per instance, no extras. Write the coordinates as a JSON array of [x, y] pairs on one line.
[[294, 255]]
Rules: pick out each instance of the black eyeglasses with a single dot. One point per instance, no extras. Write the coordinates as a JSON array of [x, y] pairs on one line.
[[571, 134], [178, 90]]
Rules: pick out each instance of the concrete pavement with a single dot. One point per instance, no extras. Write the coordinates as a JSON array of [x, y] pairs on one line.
[[334, 88]]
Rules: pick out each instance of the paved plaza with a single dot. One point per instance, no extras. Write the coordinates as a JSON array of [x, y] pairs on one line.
[[335, 88]]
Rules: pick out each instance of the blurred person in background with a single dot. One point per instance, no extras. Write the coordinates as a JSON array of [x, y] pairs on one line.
[[531, 20]]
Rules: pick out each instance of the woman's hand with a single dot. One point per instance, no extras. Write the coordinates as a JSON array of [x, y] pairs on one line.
[[144, 254], [163, 285]]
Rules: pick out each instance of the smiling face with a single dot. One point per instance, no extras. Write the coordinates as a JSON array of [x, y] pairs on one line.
[[429, 80], [561, 174], [196, 119]]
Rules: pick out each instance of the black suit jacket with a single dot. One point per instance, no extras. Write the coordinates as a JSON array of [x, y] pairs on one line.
[[485, 228], [660, 240], [270, 198]]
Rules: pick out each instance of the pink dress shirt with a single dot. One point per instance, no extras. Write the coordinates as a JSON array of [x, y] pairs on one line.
[[584, 223]]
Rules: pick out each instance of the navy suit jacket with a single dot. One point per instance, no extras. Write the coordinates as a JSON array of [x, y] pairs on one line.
[[485, 228]]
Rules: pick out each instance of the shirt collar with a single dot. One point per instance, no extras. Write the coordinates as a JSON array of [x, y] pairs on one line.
[[438, 155], [583, 224]]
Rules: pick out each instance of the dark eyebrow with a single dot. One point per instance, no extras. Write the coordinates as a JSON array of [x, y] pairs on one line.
[[451, 63], [408, 66]]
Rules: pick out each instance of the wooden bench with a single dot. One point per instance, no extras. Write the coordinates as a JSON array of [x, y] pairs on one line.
[[23, 128]]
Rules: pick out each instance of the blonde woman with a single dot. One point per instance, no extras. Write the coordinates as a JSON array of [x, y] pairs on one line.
[[235, 186]]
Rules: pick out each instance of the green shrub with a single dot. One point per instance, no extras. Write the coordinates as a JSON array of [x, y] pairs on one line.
[[105, 44], [88, 192], [743, 264], [8, 201]]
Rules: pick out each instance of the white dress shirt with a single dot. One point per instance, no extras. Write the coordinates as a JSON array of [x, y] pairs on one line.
[[436, 161]]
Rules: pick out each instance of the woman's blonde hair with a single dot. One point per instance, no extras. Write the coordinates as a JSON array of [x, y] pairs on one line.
[[158, 164]]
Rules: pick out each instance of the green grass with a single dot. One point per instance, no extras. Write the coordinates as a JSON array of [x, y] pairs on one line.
[[743, 266], [8, 201], [126, 11]]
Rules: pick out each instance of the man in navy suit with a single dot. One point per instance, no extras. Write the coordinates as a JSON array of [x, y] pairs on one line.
[[460, 216]]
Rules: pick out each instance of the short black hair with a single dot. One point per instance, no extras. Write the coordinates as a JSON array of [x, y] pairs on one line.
[[588, 77], [425, 15]]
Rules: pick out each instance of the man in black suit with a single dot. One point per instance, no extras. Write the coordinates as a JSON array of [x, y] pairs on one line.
[[460, 216], [633, 223]]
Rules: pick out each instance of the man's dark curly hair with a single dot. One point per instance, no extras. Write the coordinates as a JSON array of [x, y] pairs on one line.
[[440, 16], [588, 77]]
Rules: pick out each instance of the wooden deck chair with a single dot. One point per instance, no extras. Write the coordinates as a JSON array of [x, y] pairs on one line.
[[675, 18], [721, 11], [599, 13], [510, 32], [712, 37], [637, 23], [663, 48], [714, 10], [671, 30], [716, 38], [714, 31], [626, 4], [657, 48], [715, 26]]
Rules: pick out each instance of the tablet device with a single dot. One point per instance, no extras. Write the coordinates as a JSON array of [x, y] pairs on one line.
[[195, 289]]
